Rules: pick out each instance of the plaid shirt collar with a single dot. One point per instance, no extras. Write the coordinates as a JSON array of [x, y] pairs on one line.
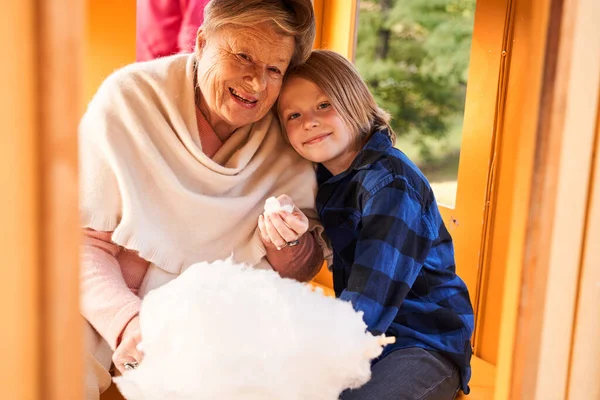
[[371, 151]]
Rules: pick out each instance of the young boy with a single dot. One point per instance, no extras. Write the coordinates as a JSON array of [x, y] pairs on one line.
[[393, 256]]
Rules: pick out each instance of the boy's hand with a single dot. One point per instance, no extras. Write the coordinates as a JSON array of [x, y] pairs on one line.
[[279, 228], [127, 351]]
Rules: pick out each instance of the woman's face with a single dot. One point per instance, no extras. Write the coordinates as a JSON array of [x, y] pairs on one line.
[[240, 71]]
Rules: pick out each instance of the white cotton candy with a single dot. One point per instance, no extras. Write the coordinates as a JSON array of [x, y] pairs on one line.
[[272, 205], [224, 331]]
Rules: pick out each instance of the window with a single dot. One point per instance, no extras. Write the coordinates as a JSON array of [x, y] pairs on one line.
[[414, 56]]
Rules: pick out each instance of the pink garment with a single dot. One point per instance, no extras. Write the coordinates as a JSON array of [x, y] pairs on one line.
[[108, 301], [166, 27], [111, 275]]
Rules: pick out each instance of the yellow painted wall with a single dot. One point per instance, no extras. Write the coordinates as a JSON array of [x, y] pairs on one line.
[[110, 40]]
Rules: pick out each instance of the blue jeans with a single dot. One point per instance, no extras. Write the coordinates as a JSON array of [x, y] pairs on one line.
[[410, 374]]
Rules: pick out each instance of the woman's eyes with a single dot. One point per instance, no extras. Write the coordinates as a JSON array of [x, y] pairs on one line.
[[247, 58]]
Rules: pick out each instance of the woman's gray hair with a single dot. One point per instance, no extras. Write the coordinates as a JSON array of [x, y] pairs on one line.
[[289, 17]]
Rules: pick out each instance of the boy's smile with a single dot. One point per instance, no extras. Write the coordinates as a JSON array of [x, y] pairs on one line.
[[317, 139]]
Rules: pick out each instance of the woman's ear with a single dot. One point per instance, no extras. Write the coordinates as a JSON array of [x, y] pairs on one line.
[[200, 42]]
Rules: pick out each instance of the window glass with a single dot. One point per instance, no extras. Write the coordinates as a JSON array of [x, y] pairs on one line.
[[414, 55]]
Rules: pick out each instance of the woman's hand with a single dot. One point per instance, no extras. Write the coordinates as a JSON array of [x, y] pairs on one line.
[[127, 351], [279, 228]]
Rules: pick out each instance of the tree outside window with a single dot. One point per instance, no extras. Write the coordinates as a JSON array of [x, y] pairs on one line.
[[414, 56]]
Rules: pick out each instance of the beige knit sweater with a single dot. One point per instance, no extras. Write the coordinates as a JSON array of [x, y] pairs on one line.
[[143, 173]]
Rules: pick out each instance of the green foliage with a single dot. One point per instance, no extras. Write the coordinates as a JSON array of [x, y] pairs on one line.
[[414, 56]]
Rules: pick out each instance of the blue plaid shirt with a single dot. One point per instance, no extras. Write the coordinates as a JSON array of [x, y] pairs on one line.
[[393, 257]]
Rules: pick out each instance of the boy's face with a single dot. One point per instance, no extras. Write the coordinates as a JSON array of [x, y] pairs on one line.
[[314, 128]]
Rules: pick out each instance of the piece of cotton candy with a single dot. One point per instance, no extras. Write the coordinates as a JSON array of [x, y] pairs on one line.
[[225, 331], [272, 205]]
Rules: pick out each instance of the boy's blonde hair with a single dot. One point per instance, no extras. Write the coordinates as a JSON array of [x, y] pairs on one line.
[[348, 93], [289, 17]]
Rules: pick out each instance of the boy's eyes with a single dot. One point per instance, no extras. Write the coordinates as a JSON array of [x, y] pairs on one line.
[[322, 106]]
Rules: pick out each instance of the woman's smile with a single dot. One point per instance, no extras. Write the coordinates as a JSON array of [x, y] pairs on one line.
[[243, 100]]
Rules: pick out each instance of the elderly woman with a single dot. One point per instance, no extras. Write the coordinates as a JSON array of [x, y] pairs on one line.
[[178, 156]]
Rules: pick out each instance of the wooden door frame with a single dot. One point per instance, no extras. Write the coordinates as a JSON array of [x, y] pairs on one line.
[[41, 110], [60, 40], [19, 294], [548, 229], [584, 366]]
